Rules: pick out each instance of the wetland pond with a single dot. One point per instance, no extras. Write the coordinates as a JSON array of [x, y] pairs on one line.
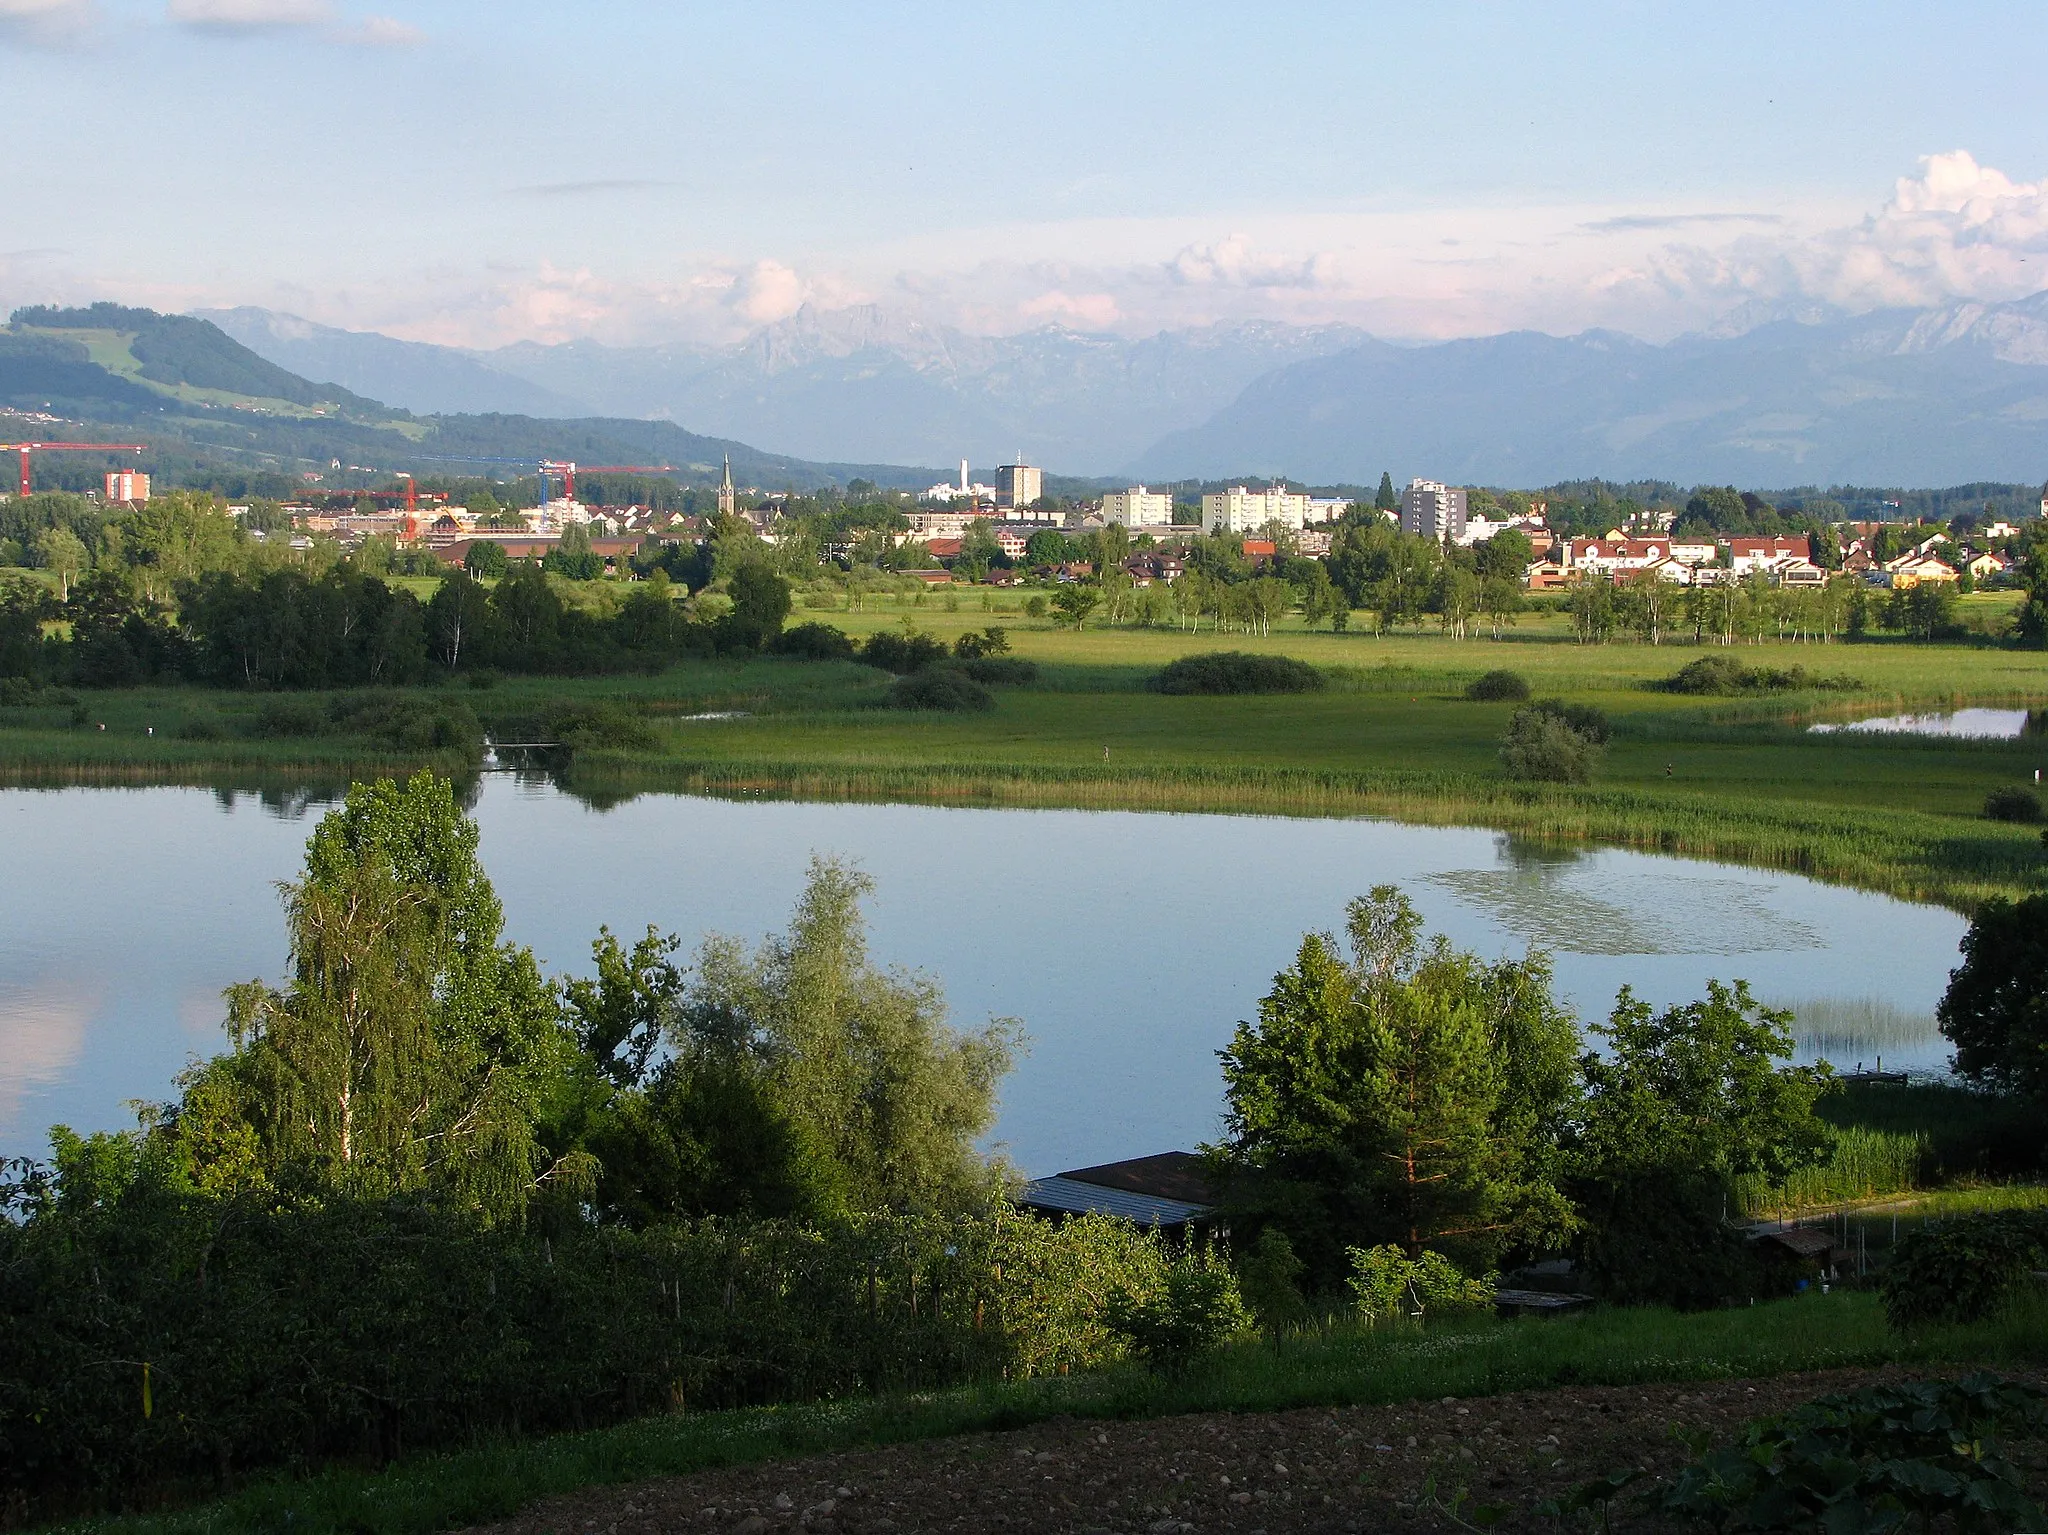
[[1128, 944]]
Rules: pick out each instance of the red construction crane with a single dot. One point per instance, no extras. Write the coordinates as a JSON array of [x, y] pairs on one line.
[[26, 448], [567, 470]]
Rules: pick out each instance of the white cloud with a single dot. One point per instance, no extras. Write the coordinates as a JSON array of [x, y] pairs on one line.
[[1233, 262], [47, 23], [379, 32], [248, 15], [769, 291]]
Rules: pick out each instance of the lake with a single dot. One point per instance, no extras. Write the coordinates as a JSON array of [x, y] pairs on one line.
[[1129, 944]]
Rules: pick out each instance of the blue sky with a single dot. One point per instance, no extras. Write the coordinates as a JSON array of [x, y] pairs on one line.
[[482, 173]]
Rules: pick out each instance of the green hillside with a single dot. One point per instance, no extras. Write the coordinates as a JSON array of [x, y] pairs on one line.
[[205, 403]]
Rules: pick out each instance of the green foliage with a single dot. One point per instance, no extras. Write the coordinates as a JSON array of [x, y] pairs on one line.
[[1995, 1011], [992, 641], [814, 642], [1000, 671], [903, 653], [760, 602], [1890, 1457], [862, 1060], [2012, 804], [1541, 745], [1498, 686], [409, 1053], [1964, 1269], [1401, 1094], [1269, 1277], [1386, 1283], [941, 688], [1195, 1307], [1073, 602], [1724, 675], [1679, 1106], [1236, 671], [485, 557]]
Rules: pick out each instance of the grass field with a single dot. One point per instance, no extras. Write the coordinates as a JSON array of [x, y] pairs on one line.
[[1741, 780], [1343, 1365]]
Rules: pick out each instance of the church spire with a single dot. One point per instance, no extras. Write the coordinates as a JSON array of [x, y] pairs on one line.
[[725, 500]]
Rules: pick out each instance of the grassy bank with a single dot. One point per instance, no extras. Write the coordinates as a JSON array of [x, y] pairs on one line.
[[1738, 779], [1346, 1365]]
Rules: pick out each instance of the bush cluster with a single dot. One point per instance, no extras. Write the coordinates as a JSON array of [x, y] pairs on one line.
[[1552, 742], [941, 688], [1498, 686], [1236, 671], [1725, 675], [398, 720], [1964, 1269], [350, 1330], [2013, 804]]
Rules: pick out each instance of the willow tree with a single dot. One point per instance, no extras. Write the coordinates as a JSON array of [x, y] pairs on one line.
[[411, 1051], [1400, 1093], [860, 1060]]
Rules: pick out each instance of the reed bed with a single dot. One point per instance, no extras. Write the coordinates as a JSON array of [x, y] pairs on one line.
[[1904, 853]]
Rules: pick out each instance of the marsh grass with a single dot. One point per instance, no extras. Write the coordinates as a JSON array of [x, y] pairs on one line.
[[1336, 1365]]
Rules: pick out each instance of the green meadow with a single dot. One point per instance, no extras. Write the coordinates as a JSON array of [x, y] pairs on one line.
[[1738, 779]]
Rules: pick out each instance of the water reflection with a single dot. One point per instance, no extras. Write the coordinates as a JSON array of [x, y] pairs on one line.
[[1968, 724], [1130, 944]]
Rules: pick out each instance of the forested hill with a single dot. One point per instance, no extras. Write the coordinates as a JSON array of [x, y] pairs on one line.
[[206, 404]]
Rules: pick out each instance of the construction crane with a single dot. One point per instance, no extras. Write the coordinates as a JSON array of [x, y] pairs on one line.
[[567, 470], [26, 448]]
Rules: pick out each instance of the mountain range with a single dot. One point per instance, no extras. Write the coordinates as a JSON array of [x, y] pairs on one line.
[[205, 402], [1906, 397]]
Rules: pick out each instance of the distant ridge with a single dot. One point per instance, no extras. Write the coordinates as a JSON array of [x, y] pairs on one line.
[[1905, 397], [201, 397]]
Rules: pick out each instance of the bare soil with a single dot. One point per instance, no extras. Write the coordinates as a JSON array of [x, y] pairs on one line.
[[1418, 1466]]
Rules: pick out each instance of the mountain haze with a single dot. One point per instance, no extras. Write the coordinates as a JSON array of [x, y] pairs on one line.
[[1898, 397]]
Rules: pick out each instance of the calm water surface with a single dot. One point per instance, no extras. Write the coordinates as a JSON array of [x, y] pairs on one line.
[[1969, 724], [1128, 944]]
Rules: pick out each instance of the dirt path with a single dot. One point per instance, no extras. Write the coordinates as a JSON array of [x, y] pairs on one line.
[[1337, 1470]]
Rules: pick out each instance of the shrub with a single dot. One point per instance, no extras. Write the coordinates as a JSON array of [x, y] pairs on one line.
[[17, 692], [992, 641], [203, 727], [942, 687], [289, 717], [600, 725], [1269, 1277], [903, 653], [1234, 671], [813, 642], [410, 724], [1541, 746], [1583, 718], [1034, 607], [1725, 675], [1387, 1283], [2012, 804], [1498, 687], [1197, 1307], [1000, 671], [1964, 1269]]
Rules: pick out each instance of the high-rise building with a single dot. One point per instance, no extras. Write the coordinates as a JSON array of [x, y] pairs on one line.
[[1432, 510], [1238, 510], [1017, 486], [1138, 508], [127, 485]]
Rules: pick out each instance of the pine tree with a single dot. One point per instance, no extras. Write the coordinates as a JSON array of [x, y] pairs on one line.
[[1386, 500]]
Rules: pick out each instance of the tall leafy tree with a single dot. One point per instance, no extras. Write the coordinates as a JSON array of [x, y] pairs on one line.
[[859, 1062], [1678, 1106], [1384, 498], [411, 1050], [1400, 1093], [1995, 1011]]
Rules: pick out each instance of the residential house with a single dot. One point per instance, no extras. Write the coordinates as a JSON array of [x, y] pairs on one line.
[[1747, 554], [1910, 570]]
